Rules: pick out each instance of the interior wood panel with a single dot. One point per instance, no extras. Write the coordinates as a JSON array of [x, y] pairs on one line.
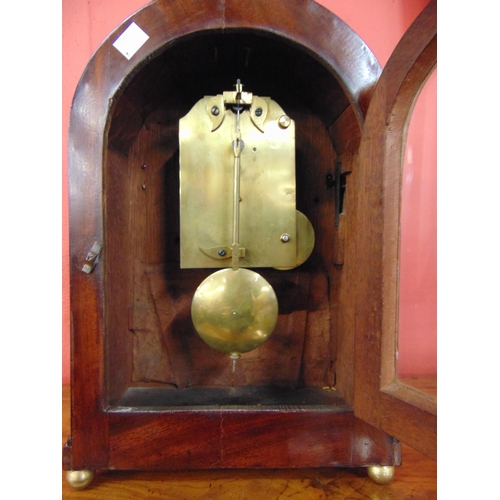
[[149, 303]]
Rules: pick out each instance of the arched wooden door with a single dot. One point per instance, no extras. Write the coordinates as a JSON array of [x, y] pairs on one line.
[[379, 397]]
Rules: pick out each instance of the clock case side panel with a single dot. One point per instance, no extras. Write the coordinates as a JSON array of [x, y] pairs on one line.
[[87, 447]]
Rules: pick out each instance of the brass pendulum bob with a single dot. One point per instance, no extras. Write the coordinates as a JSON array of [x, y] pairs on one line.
[[235, 309]]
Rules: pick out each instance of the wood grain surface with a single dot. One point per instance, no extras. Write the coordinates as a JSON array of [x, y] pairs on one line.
[[415, 479]]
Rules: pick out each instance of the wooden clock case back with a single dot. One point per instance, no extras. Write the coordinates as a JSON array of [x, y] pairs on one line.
[[147, 393]]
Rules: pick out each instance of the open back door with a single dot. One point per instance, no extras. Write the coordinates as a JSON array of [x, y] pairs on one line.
[[380, 397]]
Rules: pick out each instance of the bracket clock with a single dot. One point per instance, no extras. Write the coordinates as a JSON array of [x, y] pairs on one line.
[[234, 215]]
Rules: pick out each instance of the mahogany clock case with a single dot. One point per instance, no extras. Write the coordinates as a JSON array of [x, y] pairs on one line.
[[147, 393]]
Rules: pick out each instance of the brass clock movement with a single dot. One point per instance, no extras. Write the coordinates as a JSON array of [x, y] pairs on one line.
[[237, 199], [228, 226]]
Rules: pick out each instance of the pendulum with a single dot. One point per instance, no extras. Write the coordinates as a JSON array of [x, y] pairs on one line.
[[235, 309]]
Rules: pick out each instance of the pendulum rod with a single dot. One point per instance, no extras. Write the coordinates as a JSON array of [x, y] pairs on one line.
[[236, 203], [237, 147]]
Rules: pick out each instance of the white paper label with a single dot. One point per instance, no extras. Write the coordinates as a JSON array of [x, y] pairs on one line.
[[131, 40]]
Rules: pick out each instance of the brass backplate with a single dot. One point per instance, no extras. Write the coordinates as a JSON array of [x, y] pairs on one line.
[[267, 184]]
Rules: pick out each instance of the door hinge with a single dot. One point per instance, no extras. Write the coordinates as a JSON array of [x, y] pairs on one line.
[[338, 181]]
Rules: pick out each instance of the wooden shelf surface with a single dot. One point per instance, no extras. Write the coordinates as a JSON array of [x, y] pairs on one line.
[[415, 479]]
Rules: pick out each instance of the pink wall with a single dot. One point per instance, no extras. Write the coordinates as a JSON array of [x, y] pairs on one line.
[[86, 23]]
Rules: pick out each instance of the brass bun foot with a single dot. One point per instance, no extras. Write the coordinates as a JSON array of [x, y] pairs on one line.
[[79, 479], [381, 474]]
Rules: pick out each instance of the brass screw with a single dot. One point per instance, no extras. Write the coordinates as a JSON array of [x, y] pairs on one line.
[[284, 121], [215, 111]]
